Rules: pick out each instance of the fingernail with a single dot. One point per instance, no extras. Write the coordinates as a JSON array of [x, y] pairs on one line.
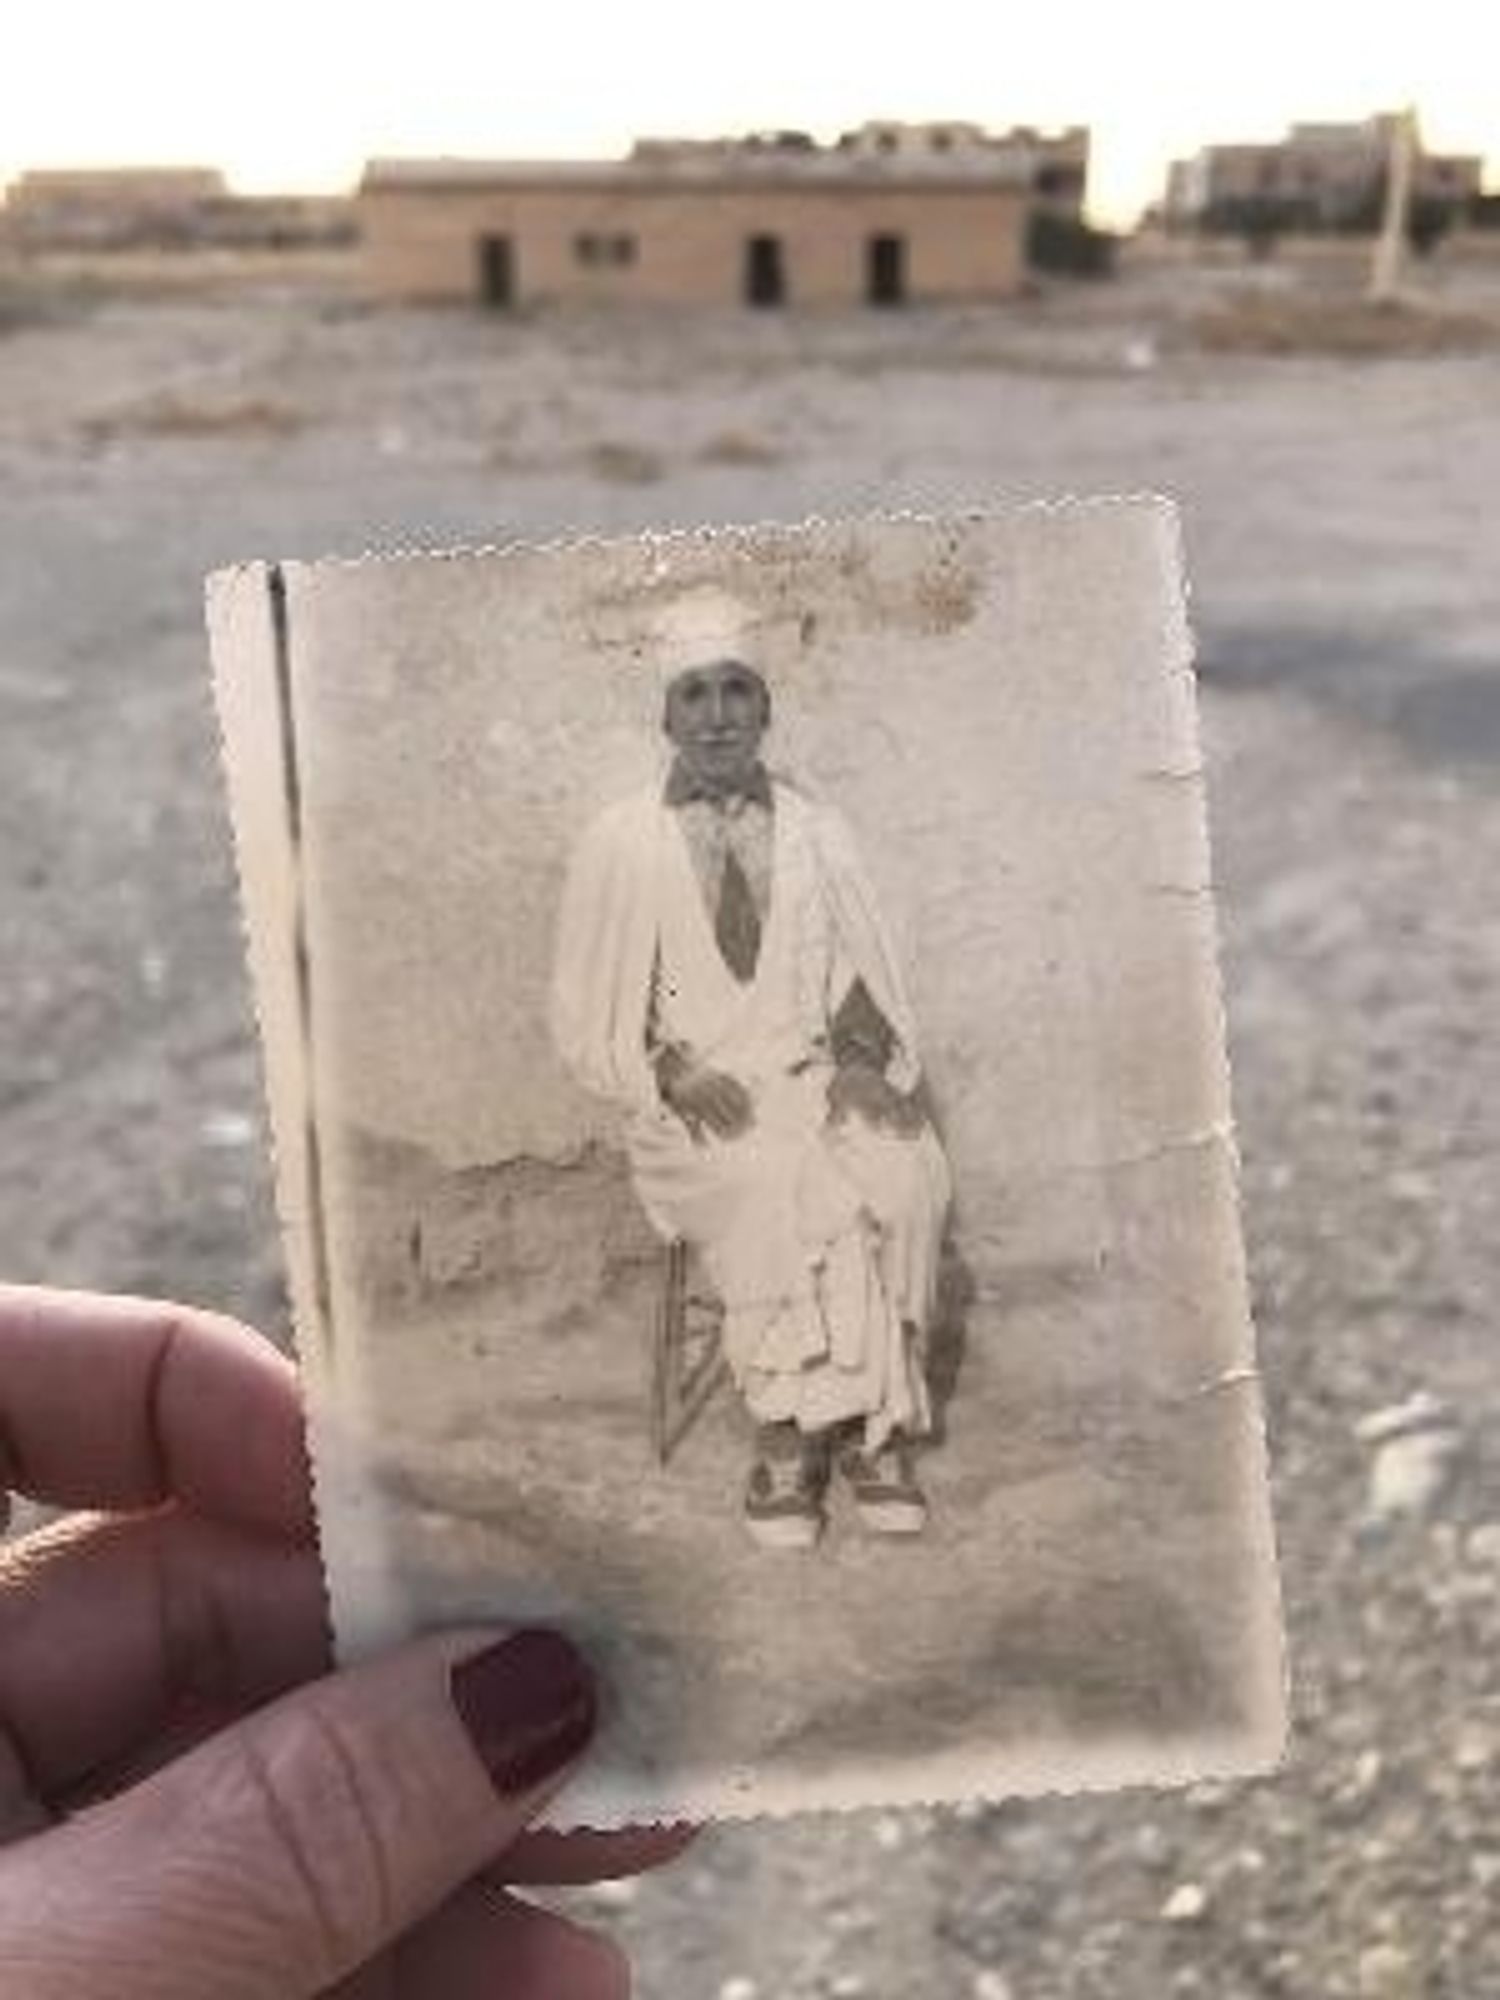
[[528, 1704]]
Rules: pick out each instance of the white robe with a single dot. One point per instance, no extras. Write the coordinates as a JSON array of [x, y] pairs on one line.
[[821, 1241]]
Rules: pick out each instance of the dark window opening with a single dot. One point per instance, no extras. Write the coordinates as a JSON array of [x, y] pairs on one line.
[[885, 270], [765, 271], [1059, 178], [497, 271], [592, 249]]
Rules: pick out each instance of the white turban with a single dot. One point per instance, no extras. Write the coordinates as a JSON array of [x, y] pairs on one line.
[[702, 628]]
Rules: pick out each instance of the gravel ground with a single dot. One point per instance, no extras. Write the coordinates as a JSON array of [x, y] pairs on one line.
[[1339, 519]]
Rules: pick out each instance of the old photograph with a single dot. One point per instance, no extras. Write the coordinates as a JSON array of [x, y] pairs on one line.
[[753, 1137]]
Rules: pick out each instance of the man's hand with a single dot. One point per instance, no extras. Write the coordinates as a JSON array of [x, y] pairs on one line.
[[190, 1802], [859, 1091], [704, 1099]]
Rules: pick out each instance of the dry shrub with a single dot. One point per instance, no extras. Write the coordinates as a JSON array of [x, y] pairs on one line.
[[29, 299], [628, 464], [182, 417], [1266, 323], [738, 448]]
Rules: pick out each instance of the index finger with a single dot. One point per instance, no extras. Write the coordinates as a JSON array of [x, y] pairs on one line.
[[124, 1403]]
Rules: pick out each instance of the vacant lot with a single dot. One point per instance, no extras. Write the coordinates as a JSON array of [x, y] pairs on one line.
[[1340, 522]]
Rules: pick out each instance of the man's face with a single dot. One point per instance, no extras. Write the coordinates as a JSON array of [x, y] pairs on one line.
[[717, 716]]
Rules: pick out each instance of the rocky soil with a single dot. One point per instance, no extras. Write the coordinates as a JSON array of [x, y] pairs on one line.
[[1340, 528]]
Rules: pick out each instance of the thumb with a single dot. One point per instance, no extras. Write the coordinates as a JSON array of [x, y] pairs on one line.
[[287, 1850]]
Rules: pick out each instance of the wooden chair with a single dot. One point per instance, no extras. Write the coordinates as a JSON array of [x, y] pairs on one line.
[[687, 1352]]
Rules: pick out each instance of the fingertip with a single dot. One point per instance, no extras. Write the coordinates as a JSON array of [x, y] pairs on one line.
[[530, 1706]]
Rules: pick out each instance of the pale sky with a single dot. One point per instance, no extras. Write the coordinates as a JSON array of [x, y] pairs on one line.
[[296, 94]]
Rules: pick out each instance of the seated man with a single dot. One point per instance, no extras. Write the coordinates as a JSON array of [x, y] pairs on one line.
[[723, 977]]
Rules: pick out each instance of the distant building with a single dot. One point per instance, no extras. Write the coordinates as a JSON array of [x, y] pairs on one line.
[[126, 208], [891, 213], [89, 208], [1320, 176], [278, 222]]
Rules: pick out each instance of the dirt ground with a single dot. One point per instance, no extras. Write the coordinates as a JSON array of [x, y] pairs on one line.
[[1339, 514]]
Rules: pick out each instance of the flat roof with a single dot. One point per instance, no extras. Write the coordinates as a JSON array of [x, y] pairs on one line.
[[832, 169]]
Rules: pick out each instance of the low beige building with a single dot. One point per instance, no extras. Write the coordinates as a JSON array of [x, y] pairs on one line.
[[768, 222]]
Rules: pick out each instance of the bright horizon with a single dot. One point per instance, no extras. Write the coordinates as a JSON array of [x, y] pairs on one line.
[[308, 94]]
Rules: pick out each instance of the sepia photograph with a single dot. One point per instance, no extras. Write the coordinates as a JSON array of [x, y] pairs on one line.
[[747, 1068]]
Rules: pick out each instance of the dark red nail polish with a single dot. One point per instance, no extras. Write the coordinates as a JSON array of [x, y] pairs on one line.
[[529, 1706]]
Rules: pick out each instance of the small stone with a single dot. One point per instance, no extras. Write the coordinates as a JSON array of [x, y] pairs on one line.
[[1187, 1904], [739, 1987], [1389, 1972], [848, 1986], [1421, 1411], [1368, 1766], [889, 1833], [1482, 1545], [1207, 1796], [1409, 1475], [991, 1984], [227, 1129], [1475, 1749]]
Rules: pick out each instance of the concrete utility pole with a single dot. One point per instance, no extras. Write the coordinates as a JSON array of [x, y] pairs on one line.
[[1391, 243]]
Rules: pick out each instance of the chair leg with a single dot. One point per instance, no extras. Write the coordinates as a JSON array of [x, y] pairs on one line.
[[667, 1349]]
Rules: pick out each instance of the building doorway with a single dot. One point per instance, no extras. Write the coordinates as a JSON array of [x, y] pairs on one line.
[[497, 271], [765, 271], [885, 270]]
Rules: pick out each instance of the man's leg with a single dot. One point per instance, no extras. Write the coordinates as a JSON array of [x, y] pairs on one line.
[[784, 1494], [905, 1185], [882, 1483]]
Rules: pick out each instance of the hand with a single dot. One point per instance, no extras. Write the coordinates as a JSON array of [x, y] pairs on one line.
[[191, 1806], [701, 1097], [858, 1090]]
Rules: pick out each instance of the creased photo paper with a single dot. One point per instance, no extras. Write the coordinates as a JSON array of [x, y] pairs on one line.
[[747, 1075]]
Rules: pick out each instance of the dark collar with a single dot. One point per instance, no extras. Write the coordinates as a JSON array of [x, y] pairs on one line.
[[682, 788]]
